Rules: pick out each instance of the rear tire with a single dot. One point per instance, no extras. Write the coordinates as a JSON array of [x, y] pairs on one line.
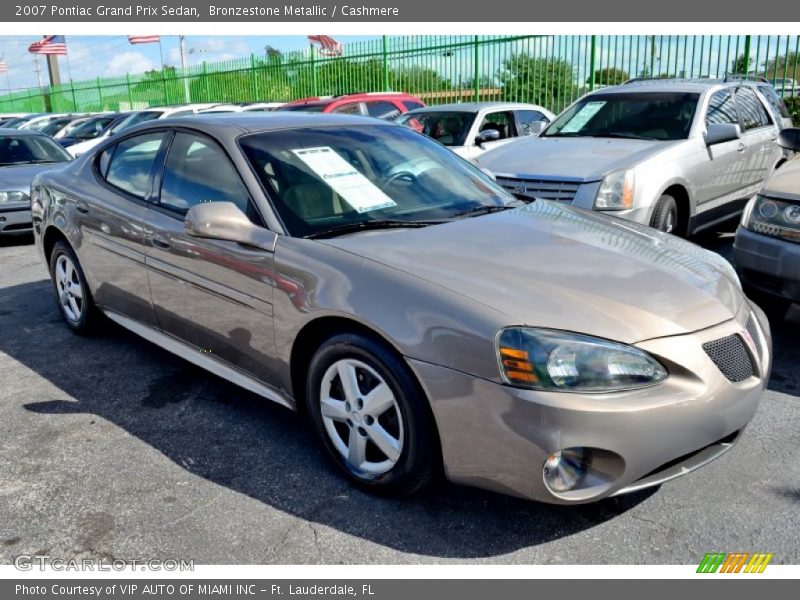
[[72, 293], [371, 415], [665, 215]]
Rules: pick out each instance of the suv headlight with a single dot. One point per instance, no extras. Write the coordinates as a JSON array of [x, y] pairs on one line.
[[545, 359], [777, 218], [9, 197], [615, 191]]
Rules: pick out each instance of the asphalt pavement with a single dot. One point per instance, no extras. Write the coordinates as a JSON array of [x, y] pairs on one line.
[[111, 448]]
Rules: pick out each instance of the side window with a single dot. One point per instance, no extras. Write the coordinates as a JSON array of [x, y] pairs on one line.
[[411, 104], [131, 163], [774, 100], [721, 109], [753, 113], [352, 108], [382, 109], [503, 122], [197, 170], [526, 117]]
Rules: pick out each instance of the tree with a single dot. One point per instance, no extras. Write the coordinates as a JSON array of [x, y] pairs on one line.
[[738, 66], [788, 63], [547, 81], [609, 76]]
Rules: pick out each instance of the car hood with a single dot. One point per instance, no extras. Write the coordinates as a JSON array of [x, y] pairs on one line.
[[586, 159], [18, 177], [553, 266], [785, 182]]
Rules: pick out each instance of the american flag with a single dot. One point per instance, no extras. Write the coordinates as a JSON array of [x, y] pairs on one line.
[[143, 39], [3, 67], [51, 44], [327, 45]]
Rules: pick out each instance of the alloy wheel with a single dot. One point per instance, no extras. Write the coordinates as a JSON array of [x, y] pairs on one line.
[[70, 291]]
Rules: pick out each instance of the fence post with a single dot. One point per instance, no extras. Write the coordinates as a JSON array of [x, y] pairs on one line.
[[205, 81], [254, 75], [130, 94], [314, 83], [100, 93], [74, 100], [477, 69], [747, 55], [385, 64], [592, 59]]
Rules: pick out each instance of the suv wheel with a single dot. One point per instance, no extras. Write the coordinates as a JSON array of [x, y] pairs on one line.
[[371, 415], [72, 293], [665, 214]]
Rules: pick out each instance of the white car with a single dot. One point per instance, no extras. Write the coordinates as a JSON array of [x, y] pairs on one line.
[[149, 114], [472, 128], [242, 107]]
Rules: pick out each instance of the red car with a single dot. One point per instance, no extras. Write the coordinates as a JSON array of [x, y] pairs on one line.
[[383, 105]]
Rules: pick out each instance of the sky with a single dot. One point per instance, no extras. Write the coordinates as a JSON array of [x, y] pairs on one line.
[[91, 56]]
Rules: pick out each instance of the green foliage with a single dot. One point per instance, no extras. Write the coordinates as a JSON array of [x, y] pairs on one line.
[[793, 104], [784, 66], [738, 66], [546, 81], [609, 76]]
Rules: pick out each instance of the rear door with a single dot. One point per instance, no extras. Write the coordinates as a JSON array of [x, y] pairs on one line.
[[112, 226], [501, 121], [213, 295], [759, 133]]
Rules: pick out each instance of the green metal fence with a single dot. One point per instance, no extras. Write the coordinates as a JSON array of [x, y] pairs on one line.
[[548, 70]]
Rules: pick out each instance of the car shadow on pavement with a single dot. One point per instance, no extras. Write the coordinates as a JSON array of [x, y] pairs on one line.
[[786, 336], [235, 439]]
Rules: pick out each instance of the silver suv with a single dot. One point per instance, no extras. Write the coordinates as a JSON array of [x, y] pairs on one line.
[[679, 155]]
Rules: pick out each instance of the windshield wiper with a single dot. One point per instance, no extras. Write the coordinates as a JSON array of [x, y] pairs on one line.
[[367, 225], [625, 136], [482, 210]]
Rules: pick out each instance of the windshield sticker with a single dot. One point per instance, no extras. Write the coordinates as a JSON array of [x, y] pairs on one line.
[[582, 117], [358, 191]]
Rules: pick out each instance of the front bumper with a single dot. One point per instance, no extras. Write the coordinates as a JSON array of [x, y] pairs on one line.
[[15, 220], [768, 263], [497, 437]]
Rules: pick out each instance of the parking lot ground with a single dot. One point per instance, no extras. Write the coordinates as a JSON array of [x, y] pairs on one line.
[[112, 448]]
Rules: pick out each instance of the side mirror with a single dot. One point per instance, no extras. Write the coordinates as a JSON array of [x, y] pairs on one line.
[[536, 127], [225, 221], [487, 135], [718, 133], [789, 139]]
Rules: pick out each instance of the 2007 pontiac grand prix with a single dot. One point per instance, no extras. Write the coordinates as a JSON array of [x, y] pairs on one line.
[[422, 318]]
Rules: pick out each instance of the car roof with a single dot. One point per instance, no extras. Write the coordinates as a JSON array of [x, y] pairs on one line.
[[697, 85], [231, 125], [474, 107]]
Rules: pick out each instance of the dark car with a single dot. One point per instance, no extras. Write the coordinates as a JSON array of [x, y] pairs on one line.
[[91, 129], [23, 154]]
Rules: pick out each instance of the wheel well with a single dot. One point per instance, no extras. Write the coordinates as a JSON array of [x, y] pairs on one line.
[[310, 338], [682, 200], [51, 236]]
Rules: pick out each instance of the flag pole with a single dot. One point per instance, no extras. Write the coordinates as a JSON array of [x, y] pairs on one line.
[[161, 54]]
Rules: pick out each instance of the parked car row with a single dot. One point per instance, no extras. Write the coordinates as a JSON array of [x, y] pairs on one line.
[[431, 317]]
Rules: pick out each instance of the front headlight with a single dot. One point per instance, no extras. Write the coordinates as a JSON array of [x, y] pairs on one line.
[[615, 191], [545, 359], [777, 218], [9, 197]]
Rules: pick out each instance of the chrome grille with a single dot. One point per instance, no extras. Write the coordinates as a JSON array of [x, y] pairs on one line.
[[528, 189], [731, 357]]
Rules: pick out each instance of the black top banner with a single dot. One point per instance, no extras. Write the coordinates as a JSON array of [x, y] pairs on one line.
[[464, 11]]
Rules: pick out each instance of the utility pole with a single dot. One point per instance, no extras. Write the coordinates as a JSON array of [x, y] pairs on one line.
[[183, 70], [52, 70]]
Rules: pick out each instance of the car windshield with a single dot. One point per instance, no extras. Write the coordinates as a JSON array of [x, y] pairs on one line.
[[55, 126], [15, 123], [30, 149], [322, 179], [448, 128], [138, 117], [90, 129], [639, 115], [304, 107]]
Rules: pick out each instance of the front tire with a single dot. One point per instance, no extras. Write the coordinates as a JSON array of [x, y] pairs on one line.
[[72, 293], [371, 415], [665, 214]]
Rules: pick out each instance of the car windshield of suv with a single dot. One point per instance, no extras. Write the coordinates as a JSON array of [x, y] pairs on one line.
[[331, 178], [90, 129], [631, 115], [304, 107], [448, 128], [30, 149]]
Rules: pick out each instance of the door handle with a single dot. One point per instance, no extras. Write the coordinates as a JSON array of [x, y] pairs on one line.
[[82, 207], [160, 241], [741, 147]]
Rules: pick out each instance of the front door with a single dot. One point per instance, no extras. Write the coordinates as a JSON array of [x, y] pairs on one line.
[[214, 295]]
